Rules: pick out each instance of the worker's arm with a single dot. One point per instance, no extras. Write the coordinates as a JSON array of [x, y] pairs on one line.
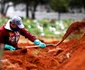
[[27, 34], [32, 38]]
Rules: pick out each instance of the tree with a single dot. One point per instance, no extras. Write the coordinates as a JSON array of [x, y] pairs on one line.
[[6, 1], [59, 6], [2, 7], [83, 2], [75, 3], [33, 5], [26, 2], [29, 3]]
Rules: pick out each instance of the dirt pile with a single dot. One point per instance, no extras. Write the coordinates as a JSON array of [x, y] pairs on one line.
[[76, 61], [71, 57]]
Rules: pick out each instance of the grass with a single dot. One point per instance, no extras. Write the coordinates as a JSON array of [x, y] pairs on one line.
[[31, 26]]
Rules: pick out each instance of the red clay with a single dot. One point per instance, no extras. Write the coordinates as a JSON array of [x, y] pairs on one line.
[[71, 58]]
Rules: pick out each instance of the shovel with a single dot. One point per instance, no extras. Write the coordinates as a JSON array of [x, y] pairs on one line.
[[24, 49], [47, 45]]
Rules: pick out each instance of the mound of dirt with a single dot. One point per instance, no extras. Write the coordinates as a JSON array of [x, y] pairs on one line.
[[71, 57], [76, 61]]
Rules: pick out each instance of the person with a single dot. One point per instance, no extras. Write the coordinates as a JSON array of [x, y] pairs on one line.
[[10, 34]]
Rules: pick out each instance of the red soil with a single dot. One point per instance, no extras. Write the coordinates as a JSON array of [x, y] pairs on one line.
[[71, 58]]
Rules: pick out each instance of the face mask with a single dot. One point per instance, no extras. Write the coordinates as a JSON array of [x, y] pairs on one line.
[[15, 29]]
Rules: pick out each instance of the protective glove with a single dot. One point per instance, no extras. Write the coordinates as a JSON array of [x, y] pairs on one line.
[[9, 47], [39, 43]]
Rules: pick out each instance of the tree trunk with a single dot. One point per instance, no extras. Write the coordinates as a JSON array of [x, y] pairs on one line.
[[59, 15], [2, 7], [27, 10], [83, 1], [33, 11]]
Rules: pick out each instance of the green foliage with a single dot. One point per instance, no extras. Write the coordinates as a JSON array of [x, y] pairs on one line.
[[44, 1], [59, 5], [32, 27], [56, 5], [2, 21], [76, 3]]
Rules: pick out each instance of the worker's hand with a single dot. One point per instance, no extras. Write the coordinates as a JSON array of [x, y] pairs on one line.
[[39, 43], [42, 45], [12, 48], [9, 47]]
